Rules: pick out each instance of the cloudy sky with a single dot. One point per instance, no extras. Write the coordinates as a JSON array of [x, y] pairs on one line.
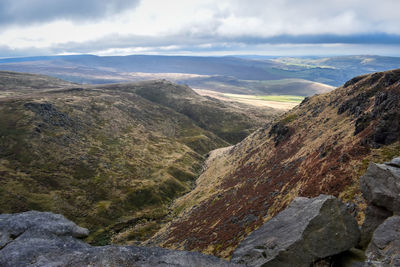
[[199, 27]]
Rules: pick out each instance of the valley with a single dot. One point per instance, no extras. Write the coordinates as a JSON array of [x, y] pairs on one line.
[[111, 157], [155, 163], [199, 133], [279, 102]]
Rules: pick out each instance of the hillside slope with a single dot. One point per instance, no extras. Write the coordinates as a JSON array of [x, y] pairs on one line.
[[14, 83], [320, 147], [111, 157]]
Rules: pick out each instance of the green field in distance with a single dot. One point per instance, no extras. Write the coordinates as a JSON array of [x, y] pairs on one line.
[[277, 98]]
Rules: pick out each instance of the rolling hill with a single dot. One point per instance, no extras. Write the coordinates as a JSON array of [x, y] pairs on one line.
[[337, 70], [259, 76], [111, 157]]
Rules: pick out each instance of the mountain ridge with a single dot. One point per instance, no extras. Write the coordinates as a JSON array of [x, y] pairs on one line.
[[218, 73], [320, 147]]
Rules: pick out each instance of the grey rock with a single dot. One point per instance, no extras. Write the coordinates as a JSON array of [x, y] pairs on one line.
[[380, 185], [395, 162], [309, 229], [280, 132], [374, 216], [49, 114], [384, 248], [42, 222], [46, 239]]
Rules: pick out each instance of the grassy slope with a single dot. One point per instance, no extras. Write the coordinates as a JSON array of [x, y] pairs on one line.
[[320, 147], [104, 156]]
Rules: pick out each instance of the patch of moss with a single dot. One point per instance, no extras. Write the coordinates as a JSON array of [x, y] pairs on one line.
[[101, 237], [83, 171], [137, 198], [40, 202], [143, 232], [179, 209], [13, 197], [99, 187], [390, 152], [171, 188], [201, 143], [12, 138], [289, 118], [181, 175]]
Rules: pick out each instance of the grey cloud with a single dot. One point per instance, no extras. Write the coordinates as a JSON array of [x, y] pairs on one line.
[[6, 51], [39, 11], [216, 48], [192, 41], [116, 41], [289, 22], [321, 16], [201, 42]]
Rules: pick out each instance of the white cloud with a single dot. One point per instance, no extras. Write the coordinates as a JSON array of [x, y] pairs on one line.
[[178, 23]]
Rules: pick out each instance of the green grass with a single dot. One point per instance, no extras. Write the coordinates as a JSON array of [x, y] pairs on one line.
[[282, 98], [276, 82], [277, 98], [289, 118]]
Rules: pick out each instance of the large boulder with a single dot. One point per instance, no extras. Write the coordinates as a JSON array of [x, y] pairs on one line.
[[384, 248], [308, 230], [46, 239], [380, 185], [13, 225]]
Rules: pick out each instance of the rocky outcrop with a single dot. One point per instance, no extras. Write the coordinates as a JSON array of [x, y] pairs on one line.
[[280, 132], [380, 185], [384, 249], [46, 239], [309, 229]]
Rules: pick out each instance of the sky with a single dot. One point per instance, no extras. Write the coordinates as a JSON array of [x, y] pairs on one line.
[[199, 27]]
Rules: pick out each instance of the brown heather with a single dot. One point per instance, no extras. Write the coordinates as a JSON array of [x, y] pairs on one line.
[[320, 147]]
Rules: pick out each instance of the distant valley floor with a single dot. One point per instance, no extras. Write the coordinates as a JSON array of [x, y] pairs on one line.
[[280, 102]]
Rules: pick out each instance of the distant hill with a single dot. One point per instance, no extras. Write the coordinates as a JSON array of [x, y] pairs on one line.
[[223, 74], [112, 157], [225, 66], [94, 69], [337, 70]]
